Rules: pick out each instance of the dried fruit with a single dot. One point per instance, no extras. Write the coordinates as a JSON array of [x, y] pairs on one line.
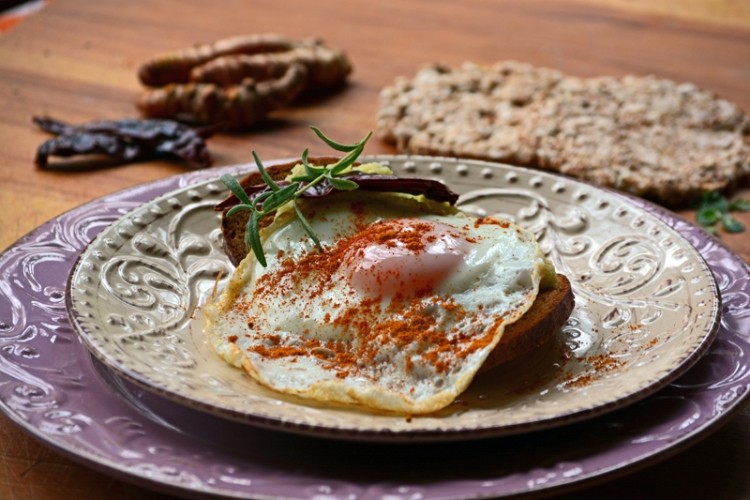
[[240, 80], [237, 106]]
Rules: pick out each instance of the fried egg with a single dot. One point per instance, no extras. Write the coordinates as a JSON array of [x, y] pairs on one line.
[[397, 313]]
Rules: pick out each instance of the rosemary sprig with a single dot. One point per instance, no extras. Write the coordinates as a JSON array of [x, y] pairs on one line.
[[274, 196]]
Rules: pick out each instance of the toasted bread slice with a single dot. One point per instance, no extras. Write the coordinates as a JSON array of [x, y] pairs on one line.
[[552, 307], [539, 325]]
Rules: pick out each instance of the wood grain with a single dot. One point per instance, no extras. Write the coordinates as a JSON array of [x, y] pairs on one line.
[[77, 60], [719, 12]]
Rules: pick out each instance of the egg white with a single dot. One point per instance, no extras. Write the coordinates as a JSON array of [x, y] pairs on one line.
[[494, 285]]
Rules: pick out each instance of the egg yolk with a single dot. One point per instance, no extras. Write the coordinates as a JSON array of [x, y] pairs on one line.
[[403, 258]]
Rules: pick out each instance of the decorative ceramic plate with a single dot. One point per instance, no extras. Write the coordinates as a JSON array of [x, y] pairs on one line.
[[647, 307], [52, 389]]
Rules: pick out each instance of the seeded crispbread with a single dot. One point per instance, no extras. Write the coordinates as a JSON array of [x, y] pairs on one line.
[[651, 137]]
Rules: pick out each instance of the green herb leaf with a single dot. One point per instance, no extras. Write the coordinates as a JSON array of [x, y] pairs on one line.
[[343, 184], [731, 225], [280, 197], [740, 206], [236, 188], [344, 148], [311, 171], [708, 216], [252, 238], [306, 226], [260, 200], [348, 160], [713, 208], [236, 209], [714, 200], [264, 173]]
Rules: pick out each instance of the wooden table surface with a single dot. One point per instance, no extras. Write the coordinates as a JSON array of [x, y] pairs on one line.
[[77, 60]]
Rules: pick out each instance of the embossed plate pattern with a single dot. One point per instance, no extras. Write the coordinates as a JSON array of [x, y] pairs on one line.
[[50, 387], [647, 307]]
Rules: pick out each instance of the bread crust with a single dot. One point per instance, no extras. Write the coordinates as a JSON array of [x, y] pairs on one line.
[[538, 326], [542, 321]]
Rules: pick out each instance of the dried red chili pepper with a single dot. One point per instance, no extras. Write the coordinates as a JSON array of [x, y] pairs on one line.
[[127, 139], [431, 189]]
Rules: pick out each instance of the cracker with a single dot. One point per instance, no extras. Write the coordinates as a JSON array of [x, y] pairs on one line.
[[648, 136]]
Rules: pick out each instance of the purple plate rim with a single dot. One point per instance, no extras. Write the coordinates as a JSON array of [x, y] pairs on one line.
[[721, 259]]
